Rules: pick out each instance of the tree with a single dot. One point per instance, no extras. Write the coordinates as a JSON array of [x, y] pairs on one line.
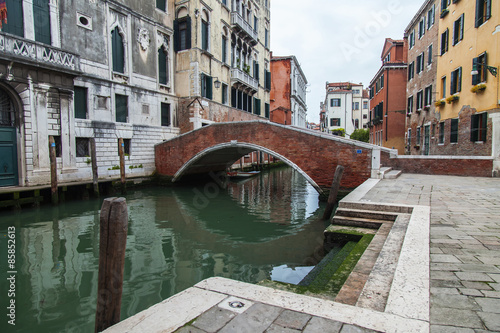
[[361, 135]]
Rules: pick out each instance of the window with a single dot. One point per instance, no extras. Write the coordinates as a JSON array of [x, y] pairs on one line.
[[126, 147], [165, 114], [456, 81], [421, 28], [335, 102], [82, 147], [365, 105], [443, 87], [57, 141], [410, 105], [206, 86], [266, 41], [419, 136], [80, 103], [268, 80], [356, 106], [444, 4], [255, 23], [409, 137], [412, 39], [429, 55], [224, 98], [411, 70], [256, 106], [205, 31], [335, 122], [224, 50], [444, 41], [121, 106], [481, 70], [420, 100], [41, 18], [420, 62], [161, 4], [256, 70], [224, 2], [266, 108], [387, 58], [117, 51], [441, 132], [182, 33], [458, 30], [162, 66], [483, 11], [15, 21], [454, 131], [479, 126], [382, 81], [428, 96], [431, 16]]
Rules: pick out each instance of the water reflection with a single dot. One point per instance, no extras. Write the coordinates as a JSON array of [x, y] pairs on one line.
[[241, 232]]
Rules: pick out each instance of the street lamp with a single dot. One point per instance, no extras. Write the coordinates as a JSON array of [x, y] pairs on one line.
[[492, 70], [217, 83]]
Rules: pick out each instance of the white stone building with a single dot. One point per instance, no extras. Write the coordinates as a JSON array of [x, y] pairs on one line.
[[339, 107]]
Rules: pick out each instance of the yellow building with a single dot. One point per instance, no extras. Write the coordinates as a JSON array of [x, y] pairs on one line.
[[468, 104], [222, 70]]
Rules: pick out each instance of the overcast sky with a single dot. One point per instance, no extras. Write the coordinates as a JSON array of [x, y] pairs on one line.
[[336, 40]]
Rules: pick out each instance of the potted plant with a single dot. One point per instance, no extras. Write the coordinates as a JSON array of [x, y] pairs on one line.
[[452, 98], [439, 103], [427, 107], [444, 12], [478, 88]]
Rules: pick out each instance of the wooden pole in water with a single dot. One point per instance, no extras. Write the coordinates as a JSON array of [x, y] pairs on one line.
[[53, 170], [332, 198], [121, 148], [95, 176], [112, 244]]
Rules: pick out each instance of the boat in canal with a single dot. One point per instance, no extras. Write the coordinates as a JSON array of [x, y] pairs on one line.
[[242, 174]]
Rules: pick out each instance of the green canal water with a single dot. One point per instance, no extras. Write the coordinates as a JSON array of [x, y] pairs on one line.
[[267, 227]]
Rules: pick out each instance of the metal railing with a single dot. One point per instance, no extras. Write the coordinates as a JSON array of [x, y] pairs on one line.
[[237, 19], [237, 75]]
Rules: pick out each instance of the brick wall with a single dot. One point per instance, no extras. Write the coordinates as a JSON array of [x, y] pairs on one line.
[[316, 154]]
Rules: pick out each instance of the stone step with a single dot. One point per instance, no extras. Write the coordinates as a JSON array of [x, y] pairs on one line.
[[393, 174], [378, 207], [358, 222], [367, 214]]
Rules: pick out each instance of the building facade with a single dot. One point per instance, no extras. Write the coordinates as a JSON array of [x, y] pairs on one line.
[[421, 117], [288, 92], [360, 106], [222, 69], [467, 75], [84, 71], [339, 107], [388, 97]]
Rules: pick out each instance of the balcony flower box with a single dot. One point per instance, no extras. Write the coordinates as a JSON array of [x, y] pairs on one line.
[[440, 103], [427, 107], [419, 110], [478, 88], [452, 99], [444, 12]]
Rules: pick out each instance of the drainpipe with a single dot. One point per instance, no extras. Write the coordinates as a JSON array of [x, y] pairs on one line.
[[387, 106]]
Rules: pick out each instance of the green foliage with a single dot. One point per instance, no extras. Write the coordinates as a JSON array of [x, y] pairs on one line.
[[361, 135], [339, 132]]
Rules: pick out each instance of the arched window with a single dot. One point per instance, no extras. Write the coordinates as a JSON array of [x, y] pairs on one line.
[[7, 118], [118, 51], [182, 30], [205, 31], [224, 45], [163, 65]]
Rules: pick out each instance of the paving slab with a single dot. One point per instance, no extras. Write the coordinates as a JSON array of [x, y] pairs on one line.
[[318, 324]]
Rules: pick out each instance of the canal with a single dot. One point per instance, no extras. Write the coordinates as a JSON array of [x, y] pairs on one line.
[[266, 227]]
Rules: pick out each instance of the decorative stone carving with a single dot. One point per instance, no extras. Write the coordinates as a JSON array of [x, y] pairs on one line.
[[143, 38], [162, 40]]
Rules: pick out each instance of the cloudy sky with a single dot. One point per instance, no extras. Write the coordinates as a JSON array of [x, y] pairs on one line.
[[336, 40]]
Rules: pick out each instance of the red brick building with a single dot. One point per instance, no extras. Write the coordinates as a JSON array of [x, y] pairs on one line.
[[388, 97]]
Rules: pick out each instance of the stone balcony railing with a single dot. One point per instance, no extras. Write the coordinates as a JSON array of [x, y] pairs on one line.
[[24, 50], [239, 76], [245, 27]]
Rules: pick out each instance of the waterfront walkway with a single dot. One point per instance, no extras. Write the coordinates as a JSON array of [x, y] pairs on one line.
[[463, 288]]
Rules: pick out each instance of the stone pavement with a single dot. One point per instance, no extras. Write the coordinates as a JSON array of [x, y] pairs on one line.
[[465, 246], [464, 276]]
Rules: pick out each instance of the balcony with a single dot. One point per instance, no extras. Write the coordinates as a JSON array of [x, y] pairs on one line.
[[240, 78], [14, 48], [244, 28]]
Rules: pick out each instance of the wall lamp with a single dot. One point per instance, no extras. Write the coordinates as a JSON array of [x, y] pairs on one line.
[[492, 70], [217, 83]]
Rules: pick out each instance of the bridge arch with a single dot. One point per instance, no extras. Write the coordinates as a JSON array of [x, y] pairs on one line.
[[241, 148]]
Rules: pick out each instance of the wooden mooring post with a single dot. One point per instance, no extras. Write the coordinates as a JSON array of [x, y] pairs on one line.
[[112, 244], [95, 176], [121, 151], [53, 170], [334, 191]]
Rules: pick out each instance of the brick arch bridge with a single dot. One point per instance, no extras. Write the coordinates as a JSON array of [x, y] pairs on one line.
[[315, 155]]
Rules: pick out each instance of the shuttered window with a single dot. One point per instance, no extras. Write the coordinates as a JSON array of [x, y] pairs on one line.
[[267, 111], [182, 34], [206, 86], [121, 106], [162, 66], [165, 114], [481, 70], [479, 126], [117, 51], [15, 22], [483, 12], [80, 102], [456, 81], [161, 4], [41, 18], [454, 131]]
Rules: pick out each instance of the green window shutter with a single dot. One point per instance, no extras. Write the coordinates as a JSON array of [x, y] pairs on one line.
[[80, 103], [121, 106], [162, 66], [161, 4], [224, 50], [267, 111], [268, 80], [188, 32], [165, 114], [209, 87], [117, 51], [15, 21], [484, 126], [204, 35], [41, 17], [177, 39], [234, 98], [459, 80], [474, 125], [240, 100]]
